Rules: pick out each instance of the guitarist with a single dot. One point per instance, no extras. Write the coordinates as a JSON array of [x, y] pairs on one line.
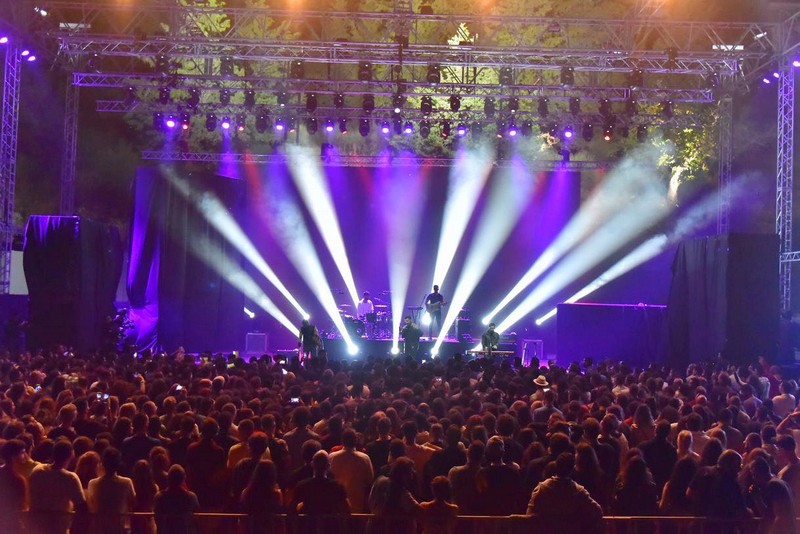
[[433, 305]]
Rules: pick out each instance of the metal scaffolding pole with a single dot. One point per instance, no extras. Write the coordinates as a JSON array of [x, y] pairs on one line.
[[725, 131], [8, 161], [68, 161], [785, 178]]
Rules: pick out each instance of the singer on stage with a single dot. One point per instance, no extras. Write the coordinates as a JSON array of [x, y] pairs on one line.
[[410, 334], [490, 339]]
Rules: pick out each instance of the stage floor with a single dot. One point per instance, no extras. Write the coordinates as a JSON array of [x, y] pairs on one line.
[[337, 348]]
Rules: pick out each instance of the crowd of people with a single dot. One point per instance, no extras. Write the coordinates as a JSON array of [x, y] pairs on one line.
[[425, 443]]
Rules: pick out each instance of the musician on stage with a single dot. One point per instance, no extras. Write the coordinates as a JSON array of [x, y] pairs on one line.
[[490, 339], [433, 305], [308, 341], [411, 334], [365, 306]]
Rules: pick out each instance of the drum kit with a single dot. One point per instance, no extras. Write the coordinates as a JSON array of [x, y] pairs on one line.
[[376, 325]]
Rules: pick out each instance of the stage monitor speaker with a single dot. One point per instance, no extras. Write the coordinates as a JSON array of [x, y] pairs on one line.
[[72, 268]]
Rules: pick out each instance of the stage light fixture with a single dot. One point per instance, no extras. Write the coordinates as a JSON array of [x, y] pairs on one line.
[[224, 97], [158, 121], [765, 80], [211, 122], [164, 95], [434, 75], [283, 98], [477, 130], [25, 52], [241, 122], [329, 125], [567, 133], [527, 129], [543, 107], [587, 132], [249, 99], [641, 133], [624, 131], [162, 64], [551, 129], [605, 107], [365, 71], [131, 97], [338, 100], [4, 39], [186, 121], [713, 81], [193, 98], [512, 129], [489, 107], [667, 109], [446, 129], [280, 124], [567, 76], [311, 102], [636, 78], [368, 103], [93, 63], [513, 104], [343, 126], [506, 76], [426, 105], [631, 106], [461, 129], [311, 125], [363, 127], [408, 128], [297, 69], [424, 128], [226, 66], [385, 128], [608, 132], [226, 123], [455, 102], [398, 101], [31, 58], [672, 58], [262, 122], [575, 105]]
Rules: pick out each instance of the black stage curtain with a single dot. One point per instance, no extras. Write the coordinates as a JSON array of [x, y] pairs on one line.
[[72, 268], [724, 299], [177, 297]]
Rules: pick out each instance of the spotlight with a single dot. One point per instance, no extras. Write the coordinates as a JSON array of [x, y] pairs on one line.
[[506, 76], [461, 129], [186, 121], [567, 76], [408, 128], [211, 122], [434, 75], [605, 107], [93, 63], [666, 109], [25, 53], [397, 124], [587, 132], [297, 69], [311, 125], [158, 121], [262, 122], [477, 130], [641, 133], [631, 106], [329, 125], [512, 129], [713, 81], [488, 106], [283, 98], [249, 99], [311, 102], [796, 63], [446, 129], [224, 97], [765, 80], [368, 103], [395, 350], [385, 128], [280, 124], [636, 78], [225, 124], [241, 122], [352, 350], [513, 104], [226, 66], [338, 100], [193, 100], [568, 133], [527, 129], [4, 39], [608, 132], [343, 126], [131, 97], [424, 128], [398, 101], [365, 71], [575, 105], [31, 58], [543, 108], [162, 64], [164, 95], [776, 75], [455, 102], [672, 58], [363, 127], [291, 124], [426, 105]]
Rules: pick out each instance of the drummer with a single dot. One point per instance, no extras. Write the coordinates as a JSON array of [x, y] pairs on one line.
[[365, 306]]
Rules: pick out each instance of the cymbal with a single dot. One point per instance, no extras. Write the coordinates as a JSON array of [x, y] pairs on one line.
[[345, 306], [382, 306]]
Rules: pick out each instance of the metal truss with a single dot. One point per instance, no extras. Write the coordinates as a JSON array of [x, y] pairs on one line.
[[8, 161], [785, 176], [356, 160], [68, 161], [725, 153], [790, 257]]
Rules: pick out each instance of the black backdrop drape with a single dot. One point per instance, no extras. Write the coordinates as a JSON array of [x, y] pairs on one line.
[[177, 297], [724, 299]]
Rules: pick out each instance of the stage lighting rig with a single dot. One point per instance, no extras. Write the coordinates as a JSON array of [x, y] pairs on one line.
[[641, 133], [311, 125], [386, 128], [513, 104], [241, 122], [608, 132], [397, 125], [280, 124], [446, 129], [398, 101], [249, 99], [226, 123], [131, 97], [329, 125], [193, 100], [636, 78], [567, 76], [283, 98], [424, 128], [434, 75], [631, 106], [477, 130], [158, 121], [338, 100], [543, 107], [311, 102], [162, 65], [363, 127], [587, 132], [667, 109], [368, 103], [455, 102], [408, 128], [568, 133], [343, 126], [211, 122], [365, 71], [506, 76], [224, 97], [672, 58], [426, 105], [262, 121], [489, 107], [226, 66], [164, 95], [186, 121], [527, 128], [512, 129], [461, 130], [575, 105], [605, 107], [297, 69]]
